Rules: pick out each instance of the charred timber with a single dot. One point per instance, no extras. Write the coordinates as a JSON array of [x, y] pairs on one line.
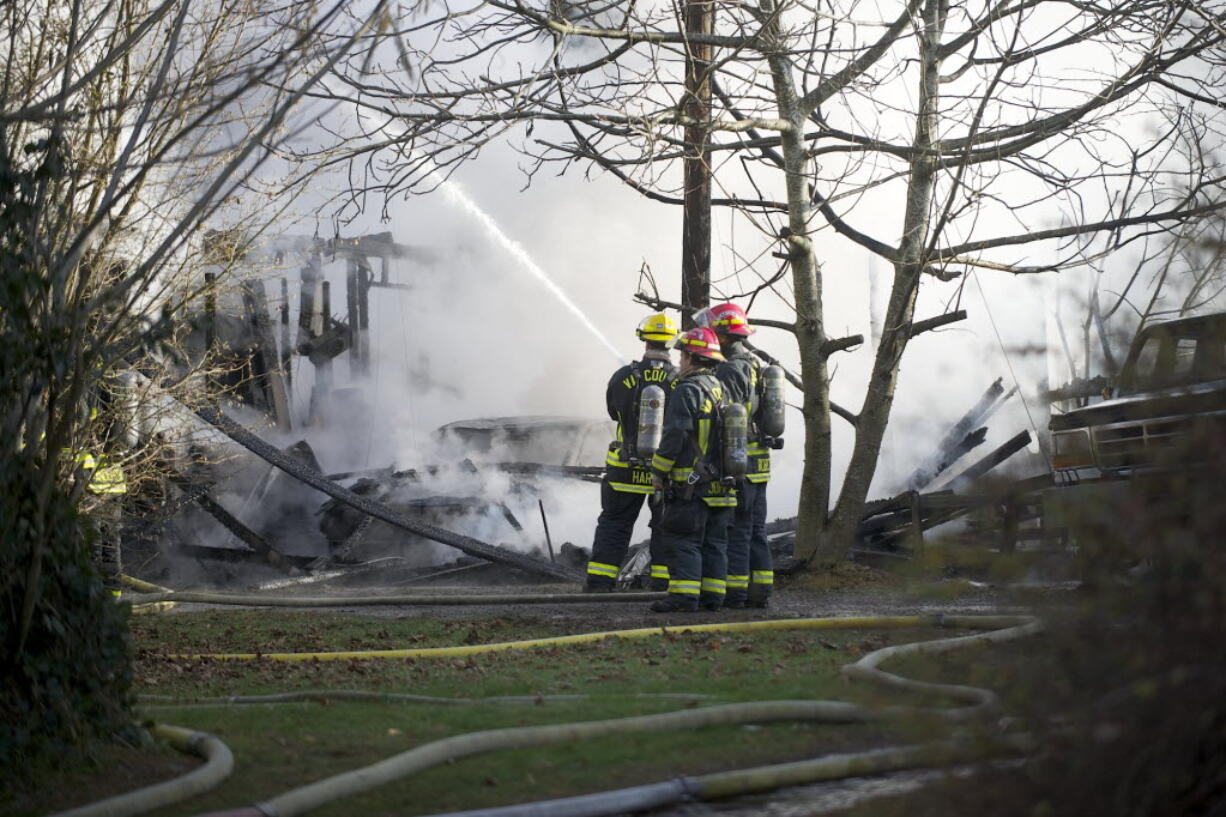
[[227, 520], [466, 544]]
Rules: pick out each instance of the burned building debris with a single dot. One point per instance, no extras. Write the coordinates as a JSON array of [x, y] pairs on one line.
[[293, 508]]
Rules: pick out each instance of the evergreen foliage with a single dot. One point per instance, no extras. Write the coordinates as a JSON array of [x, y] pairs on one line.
[[65, 674]]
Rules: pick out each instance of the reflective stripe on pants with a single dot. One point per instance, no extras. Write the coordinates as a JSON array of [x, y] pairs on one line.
[[619, 510], [740, 535]]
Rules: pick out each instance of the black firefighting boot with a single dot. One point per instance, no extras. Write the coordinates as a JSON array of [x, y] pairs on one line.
[[736, 600], [711, 601], [675, 604], [597, 584], [658, 585], [759, 600]]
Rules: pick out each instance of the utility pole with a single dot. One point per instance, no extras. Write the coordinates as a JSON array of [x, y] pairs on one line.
[[696, 222]]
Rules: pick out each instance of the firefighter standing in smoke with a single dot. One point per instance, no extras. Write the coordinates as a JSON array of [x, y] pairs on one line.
[[627, 479], [751, 575], [689, 469]]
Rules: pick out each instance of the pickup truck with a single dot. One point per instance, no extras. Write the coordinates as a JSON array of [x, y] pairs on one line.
[[1167, 410], [1132, 471]]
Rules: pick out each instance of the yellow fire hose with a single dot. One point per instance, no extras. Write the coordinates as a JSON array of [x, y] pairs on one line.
[[142, 586], [895, 622]]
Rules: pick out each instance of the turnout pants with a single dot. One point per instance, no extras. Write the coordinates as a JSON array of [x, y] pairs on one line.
[[740, 538], [619, 510], [696, 536], [761, 566]]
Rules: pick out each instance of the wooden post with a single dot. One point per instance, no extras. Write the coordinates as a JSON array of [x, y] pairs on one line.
[[274, 383], [1010, 522], [364, 278], [351, 315], [917, 522], [286, 351], [323, 368], [210, 331], [696, 220]]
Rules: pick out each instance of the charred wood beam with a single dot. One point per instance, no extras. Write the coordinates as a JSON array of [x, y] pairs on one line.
[[364, 277], [942, 458], [1004, 452], [270, 376], [228, 520], [286, 347], [587, 473]]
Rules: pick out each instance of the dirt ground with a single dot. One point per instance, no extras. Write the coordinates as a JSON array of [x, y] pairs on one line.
[[852, 590]]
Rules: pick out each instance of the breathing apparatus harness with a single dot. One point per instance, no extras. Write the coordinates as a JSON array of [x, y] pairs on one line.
[[728, 429], [767, 406], [632, 448]]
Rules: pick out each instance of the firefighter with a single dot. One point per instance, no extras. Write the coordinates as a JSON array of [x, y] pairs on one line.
[[751, 574], [108, 486], [688, 470], [627, 479]]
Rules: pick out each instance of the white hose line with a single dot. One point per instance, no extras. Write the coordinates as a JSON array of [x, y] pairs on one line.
[[219, 762], [721, 785], [352, 783], [1013, 627], [419, 600]]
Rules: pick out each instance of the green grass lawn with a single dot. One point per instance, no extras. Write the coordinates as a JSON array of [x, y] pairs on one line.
[[281, 746]]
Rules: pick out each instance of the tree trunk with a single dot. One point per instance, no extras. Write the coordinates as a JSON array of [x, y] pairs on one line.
[[696, 220], [879, 397], [810, 332]]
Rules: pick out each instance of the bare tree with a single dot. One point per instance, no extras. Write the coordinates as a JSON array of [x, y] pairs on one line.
[[124, 127], [1008, 136]]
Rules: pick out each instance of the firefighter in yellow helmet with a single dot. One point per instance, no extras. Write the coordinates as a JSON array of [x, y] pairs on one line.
[[627, 477]]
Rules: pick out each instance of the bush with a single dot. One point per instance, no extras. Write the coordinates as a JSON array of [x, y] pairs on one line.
[[66, 678]]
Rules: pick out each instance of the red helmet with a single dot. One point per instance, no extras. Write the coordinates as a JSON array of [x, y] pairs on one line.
[[700, 341], [726, 319]]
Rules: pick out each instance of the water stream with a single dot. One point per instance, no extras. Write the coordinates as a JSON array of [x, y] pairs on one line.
[[458, 197]]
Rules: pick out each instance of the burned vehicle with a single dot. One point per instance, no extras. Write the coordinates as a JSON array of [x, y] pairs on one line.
[[1140, 458], [1166, 411]]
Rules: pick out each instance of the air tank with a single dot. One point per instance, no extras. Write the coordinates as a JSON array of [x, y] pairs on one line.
[[734, 424], [651, 421], [771, 414]]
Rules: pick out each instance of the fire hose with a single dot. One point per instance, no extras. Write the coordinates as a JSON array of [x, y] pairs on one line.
[[466, 544], [420, 600], [219, 762], [974, 702]]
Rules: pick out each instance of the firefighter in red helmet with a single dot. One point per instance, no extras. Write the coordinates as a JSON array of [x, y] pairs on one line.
[[688, 469], [751, 574]]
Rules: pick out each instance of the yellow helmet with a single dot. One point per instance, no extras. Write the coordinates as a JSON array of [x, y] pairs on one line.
[[658, 327]]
